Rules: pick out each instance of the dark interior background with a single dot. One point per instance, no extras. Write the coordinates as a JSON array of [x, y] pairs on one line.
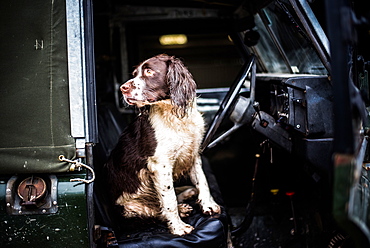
[[209, 54], [127, 32]]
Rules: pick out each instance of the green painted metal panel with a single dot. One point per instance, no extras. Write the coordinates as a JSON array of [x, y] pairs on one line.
[[66, 228], [351, 195]]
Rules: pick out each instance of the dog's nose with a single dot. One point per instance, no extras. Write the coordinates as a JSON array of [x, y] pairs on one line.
[[125, 87]]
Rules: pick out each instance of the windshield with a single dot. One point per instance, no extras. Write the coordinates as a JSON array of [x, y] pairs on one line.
[[283, 46]]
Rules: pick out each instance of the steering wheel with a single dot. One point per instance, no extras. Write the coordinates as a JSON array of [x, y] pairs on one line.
[[231, 99]]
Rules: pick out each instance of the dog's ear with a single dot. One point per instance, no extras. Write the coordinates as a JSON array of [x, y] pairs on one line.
[[181, 84]]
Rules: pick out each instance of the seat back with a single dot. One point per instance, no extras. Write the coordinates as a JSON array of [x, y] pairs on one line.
[[34, 91]]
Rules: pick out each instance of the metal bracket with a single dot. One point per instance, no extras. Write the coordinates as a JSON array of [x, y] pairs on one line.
[[15, 204]]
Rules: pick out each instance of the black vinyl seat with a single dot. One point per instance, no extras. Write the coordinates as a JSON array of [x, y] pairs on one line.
[[209, 231]]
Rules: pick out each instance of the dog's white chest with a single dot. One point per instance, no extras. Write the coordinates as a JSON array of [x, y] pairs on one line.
[[178, 139], [174, 134]]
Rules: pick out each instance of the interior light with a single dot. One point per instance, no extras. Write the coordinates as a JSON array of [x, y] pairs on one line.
[[274, 191], [173, 39]]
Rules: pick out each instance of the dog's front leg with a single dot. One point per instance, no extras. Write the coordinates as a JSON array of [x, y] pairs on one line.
[[163, 183], [209, 206]]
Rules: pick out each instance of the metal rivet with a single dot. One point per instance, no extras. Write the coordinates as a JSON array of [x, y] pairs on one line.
[[298, 126], [8, 204], [43, 211]]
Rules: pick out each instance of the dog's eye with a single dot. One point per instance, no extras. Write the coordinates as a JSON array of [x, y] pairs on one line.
[[148, 72]]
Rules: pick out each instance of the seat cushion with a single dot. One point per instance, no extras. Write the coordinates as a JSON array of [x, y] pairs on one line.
[[209, 231]]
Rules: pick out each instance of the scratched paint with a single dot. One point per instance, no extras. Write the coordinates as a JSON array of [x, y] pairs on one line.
[[68, 227]]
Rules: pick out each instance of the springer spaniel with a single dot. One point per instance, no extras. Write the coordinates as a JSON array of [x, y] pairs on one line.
[[161, 145]]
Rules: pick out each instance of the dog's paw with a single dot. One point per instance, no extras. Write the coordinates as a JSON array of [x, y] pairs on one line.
[[210, 207], [181, 229], [184, 210], [186, 192]]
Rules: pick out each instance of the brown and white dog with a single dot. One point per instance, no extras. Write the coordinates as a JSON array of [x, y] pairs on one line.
[[160, 146]]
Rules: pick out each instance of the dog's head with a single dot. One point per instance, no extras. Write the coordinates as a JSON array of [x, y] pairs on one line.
[[159, 78]]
